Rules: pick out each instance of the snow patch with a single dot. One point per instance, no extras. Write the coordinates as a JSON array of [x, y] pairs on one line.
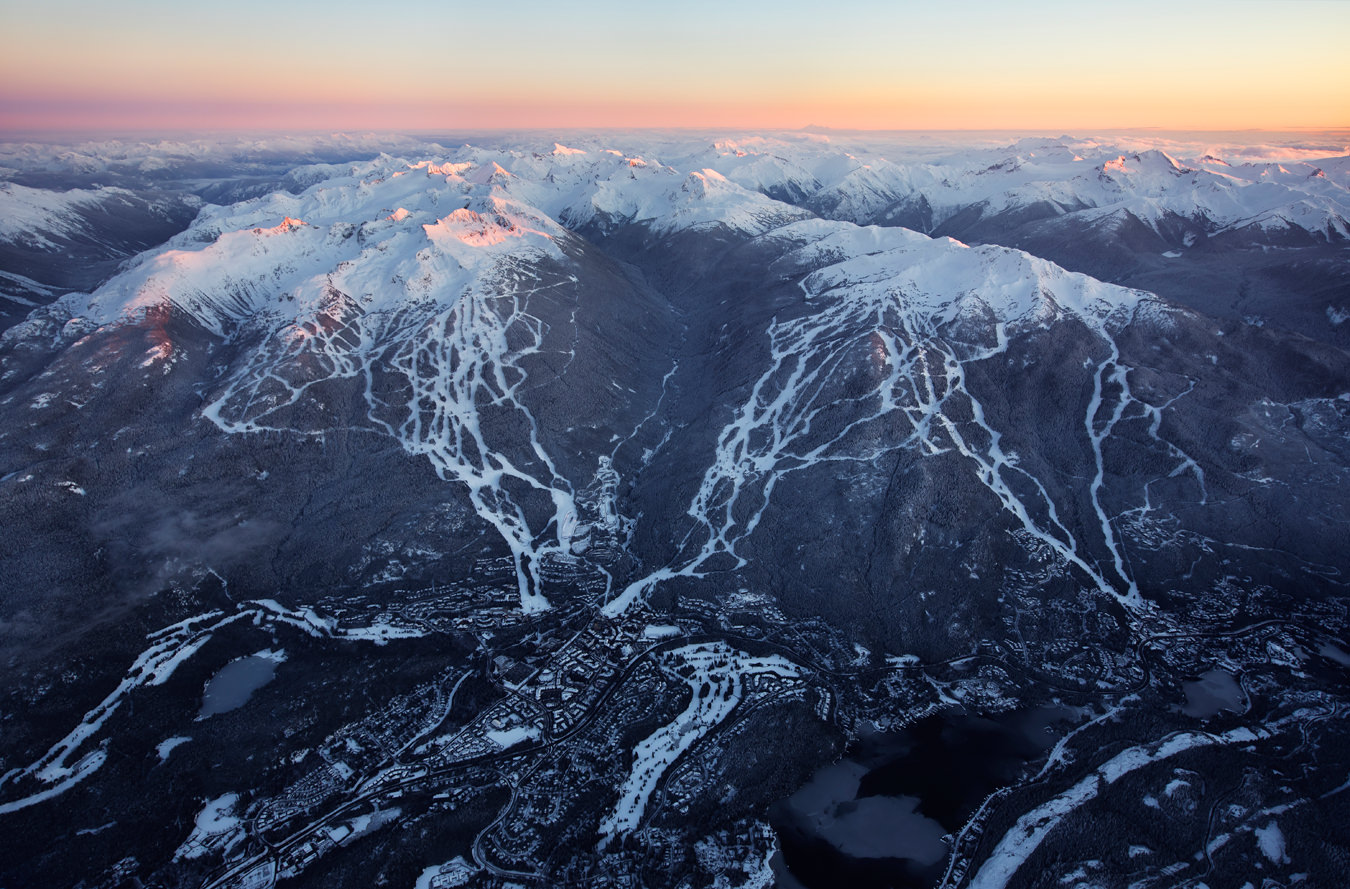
[[506, 738], [165, 747], [216, 827], [1270, 840]]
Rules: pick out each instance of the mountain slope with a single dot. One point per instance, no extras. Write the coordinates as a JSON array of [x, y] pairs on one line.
[[429, 305], [561, 505]]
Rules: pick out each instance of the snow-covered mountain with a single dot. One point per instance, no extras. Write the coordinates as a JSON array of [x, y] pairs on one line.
[[688, 450], [71, 214], [52, 241], [1124, 209], [440, 304], [1047, 176]]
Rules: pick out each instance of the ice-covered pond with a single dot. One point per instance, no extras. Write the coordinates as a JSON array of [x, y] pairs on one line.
[[236, 682], [878, 817], [1211, 694]]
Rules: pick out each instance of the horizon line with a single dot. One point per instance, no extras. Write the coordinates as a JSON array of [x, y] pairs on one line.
[[809, 129]]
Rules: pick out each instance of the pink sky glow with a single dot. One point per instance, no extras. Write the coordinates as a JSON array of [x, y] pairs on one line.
[[1050, 64]]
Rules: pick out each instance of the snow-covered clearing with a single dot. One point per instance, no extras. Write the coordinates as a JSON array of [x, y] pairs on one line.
[[1026, 836], [216, 827], [717, 681], [165, 747]]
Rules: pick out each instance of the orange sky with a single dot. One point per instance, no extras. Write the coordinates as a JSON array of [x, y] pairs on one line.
[[147, 64]]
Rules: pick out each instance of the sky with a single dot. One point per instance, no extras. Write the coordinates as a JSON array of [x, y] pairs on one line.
[[415, 65]]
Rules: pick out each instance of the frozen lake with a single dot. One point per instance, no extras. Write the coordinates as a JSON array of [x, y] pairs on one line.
[[236, 682], [1211, 694]]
